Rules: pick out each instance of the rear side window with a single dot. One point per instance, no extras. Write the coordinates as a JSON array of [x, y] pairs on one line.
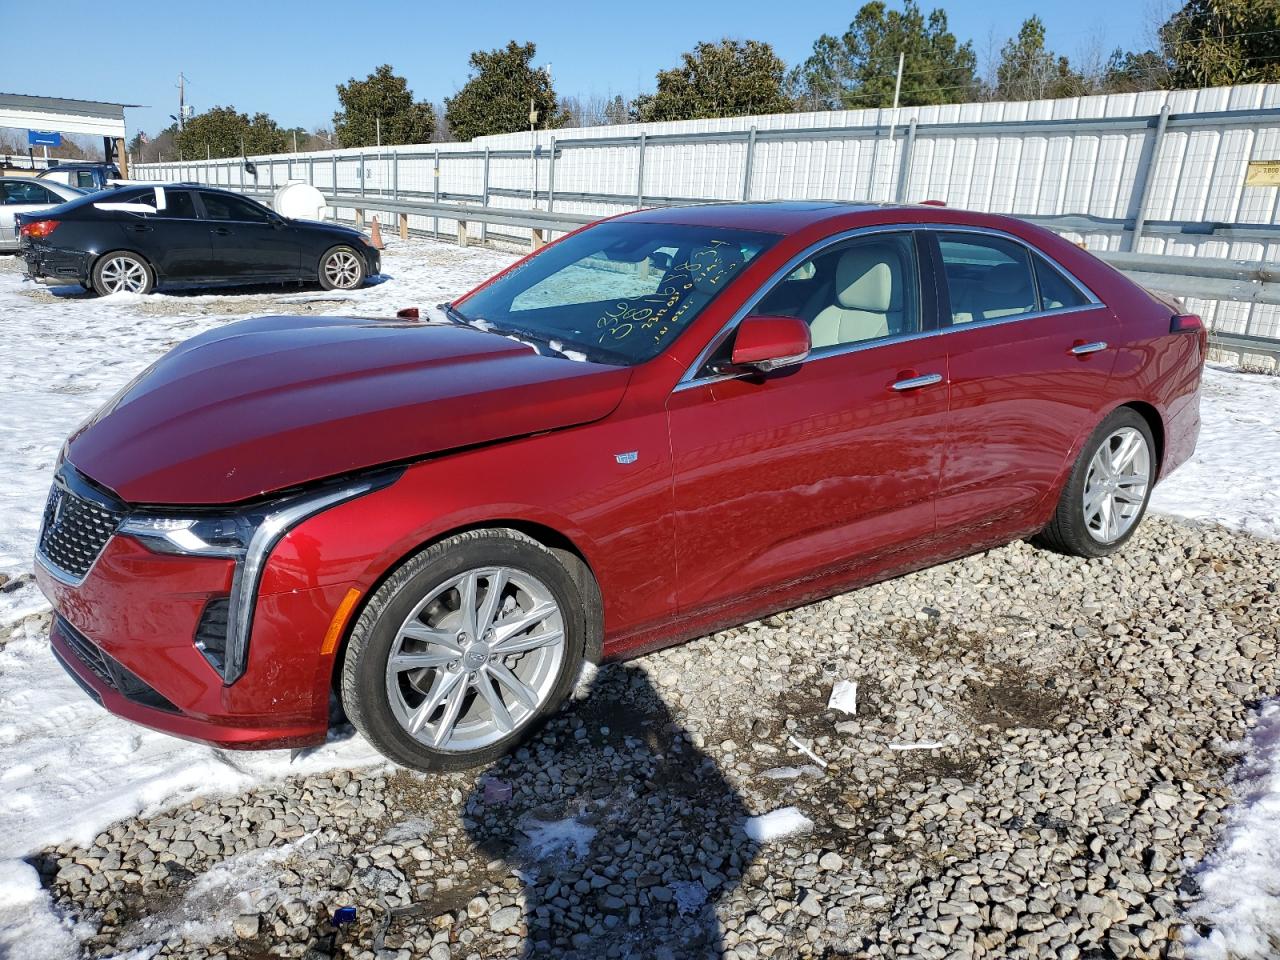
[[85, 179], [178, 205], [988, 278], [1056, 291], [19, 192]]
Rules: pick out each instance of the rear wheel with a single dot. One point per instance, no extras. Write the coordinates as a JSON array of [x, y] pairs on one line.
[[342, 269], [122, 272], [1106, 495], [464, 651]]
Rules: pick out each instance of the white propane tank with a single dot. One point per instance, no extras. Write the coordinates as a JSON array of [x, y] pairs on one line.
[[299, 201]]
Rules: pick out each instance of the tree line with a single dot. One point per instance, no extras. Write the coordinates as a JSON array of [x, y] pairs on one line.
[[1204, 43]]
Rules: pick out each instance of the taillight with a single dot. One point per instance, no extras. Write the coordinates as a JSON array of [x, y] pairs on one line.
[[407, 313], [38, 229], [1185, 323]]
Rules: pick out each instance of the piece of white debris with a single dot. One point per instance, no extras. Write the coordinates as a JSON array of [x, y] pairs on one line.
[[783, 822], [844, 697], [553, 836], [807, 751], [923, 745], [791, 773], [689, 895]]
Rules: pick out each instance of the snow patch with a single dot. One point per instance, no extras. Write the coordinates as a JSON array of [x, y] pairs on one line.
[[1240, 882], [29, 927], [784, 822], [1233, 478]]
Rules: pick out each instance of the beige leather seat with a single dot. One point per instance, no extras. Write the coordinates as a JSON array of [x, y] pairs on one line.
[[868, 287], [1005, 291]]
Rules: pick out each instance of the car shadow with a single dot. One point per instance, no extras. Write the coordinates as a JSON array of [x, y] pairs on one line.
[[623, 834]]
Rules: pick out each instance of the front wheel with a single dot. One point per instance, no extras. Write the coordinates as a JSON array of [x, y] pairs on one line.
[[1106, 495], [122, 272], [342, 269], [464, 650]]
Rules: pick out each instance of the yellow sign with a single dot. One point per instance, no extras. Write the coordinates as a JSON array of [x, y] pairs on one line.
[[1263, 173]]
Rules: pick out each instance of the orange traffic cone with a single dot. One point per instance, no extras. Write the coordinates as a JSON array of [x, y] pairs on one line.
[[375, 236]]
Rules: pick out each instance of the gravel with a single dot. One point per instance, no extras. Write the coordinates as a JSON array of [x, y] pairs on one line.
[[1081, 716]]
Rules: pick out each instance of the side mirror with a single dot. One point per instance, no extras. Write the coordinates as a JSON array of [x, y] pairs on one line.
[[769, 343]]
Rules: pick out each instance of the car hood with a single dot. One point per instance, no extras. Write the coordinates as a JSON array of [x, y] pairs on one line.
[[265, 404]]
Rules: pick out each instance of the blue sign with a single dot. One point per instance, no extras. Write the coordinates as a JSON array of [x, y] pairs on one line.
[[44, 138]]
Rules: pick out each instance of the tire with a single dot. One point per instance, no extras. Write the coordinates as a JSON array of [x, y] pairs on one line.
[[1096, 531], [425, 596], [342, 268], [121, 271]]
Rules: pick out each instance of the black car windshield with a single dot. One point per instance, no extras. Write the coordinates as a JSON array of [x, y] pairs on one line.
[[617, 293]]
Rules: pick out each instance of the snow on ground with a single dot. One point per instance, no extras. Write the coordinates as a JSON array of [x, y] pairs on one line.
[[1234, 477], [68, 769], [1240, 882]]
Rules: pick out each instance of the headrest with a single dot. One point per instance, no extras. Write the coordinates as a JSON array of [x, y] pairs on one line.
[[1007, 278], [864, 278], [715, 266]]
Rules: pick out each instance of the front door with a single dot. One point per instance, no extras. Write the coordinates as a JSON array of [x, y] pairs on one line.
[[827, 465], [1030, 353], [248, 243]]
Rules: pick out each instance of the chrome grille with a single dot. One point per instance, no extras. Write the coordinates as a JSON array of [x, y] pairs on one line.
[[78, 522]]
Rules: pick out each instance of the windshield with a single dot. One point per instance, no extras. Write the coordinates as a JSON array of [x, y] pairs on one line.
[[619, 292]]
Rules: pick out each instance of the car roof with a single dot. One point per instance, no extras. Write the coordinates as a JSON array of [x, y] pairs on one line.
[[774, 216], [791, 216]]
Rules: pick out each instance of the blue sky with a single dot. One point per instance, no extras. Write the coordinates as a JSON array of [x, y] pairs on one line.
[[286, 58]]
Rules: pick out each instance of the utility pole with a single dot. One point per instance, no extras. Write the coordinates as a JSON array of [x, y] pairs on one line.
[[897, 90], [377, 130], [182, 101]]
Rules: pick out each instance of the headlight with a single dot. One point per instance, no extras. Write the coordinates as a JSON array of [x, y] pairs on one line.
[[248, 537]]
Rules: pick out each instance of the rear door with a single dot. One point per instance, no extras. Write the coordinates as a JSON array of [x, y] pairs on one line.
[[174, 238], [248, 242], [1030, 352], [821, 467]]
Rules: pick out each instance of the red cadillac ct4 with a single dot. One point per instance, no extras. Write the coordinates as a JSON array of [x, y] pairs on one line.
[[660, 425]]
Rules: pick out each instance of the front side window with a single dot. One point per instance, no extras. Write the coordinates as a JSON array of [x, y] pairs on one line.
[[617, 292], [989, 278], [858, 291], [219, 206]]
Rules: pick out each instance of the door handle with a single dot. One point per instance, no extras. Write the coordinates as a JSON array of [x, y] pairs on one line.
[[141, 228], [1083, 349], [220, 232], [915, 383]]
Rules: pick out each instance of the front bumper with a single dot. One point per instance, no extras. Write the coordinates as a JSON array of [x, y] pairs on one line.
[[126, 635]]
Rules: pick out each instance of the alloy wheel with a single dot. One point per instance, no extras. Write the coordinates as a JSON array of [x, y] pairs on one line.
[[476, 659], [342, 269], [123, 275], [1115, 488]]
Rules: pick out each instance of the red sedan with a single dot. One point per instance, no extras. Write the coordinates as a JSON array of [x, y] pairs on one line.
[[661, 425]]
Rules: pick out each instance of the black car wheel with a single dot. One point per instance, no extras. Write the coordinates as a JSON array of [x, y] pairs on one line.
[[342, 268], [464, 651], [122, 272]]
